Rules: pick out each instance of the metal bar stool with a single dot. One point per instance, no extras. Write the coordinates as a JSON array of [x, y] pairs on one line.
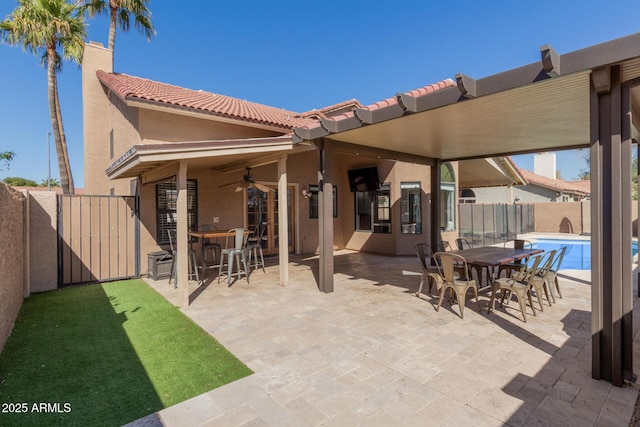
[[254, 246], [193, 265], [235, 251]]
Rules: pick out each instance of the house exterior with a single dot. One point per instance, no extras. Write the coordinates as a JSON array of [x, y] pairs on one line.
[[537, 189], [136, 131]]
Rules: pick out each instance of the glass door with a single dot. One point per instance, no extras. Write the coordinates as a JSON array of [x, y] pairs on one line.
[[262, 208]]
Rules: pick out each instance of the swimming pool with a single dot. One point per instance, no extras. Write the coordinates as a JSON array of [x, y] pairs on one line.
[[578, 255]]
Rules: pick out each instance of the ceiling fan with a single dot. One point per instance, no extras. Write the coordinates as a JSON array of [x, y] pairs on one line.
[[248, 182]]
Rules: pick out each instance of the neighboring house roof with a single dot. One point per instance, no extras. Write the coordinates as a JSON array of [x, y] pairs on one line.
[[560, 185], [131, 88]]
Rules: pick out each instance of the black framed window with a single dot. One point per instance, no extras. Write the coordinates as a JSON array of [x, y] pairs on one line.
[[166, 208], [447, 198], [313, 201], [410, 208], [373, 210]]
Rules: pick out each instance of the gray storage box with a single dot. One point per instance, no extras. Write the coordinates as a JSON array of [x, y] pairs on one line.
[[159, 265]]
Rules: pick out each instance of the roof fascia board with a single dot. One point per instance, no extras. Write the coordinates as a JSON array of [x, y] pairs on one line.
[[440, 98], [188, 146], [309, 134], [504, 167], [379, 153], [376, 115], [508, 165], [335, 126], [153, 153], [607, 53], [160, 173], [123, 163], [161, 156], [511, 79], [513, 153], [175, 109]]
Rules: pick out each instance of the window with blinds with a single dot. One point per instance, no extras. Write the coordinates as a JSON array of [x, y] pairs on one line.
[[166, 212]]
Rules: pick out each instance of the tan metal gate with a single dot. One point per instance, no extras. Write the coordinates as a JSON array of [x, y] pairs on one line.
[[98, 238]]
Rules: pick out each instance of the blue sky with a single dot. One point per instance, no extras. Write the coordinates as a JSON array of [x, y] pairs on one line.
[[304, 55]]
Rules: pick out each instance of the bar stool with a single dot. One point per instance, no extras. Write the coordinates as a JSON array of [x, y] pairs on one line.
[[254, 246], [237, 252], [209, 246], [174, 255]]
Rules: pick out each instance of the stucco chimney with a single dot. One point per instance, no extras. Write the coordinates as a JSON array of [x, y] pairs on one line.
[[544, 164], [95, 117]]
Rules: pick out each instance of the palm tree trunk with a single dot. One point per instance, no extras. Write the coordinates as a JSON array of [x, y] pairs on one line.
[[66, 180], [63, 137], [113, 11]]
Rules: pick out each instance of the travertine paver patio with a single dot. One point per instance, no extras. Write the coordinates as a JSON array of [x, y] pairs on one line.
[[373, 354]]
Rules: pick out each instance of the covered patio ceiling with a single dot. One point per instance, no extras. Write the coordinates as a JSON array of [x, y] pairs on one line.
[[543, 106], [153, 162], [587, 98]]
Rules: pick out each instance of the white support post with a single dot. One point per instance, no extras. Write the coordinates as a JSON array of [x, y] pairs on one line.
[[181, 237], [283, 222]]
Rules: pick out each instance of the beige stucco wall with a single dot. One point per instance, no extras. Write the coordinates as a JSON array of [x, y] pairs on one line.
[[394, 173], [576, 216], [12, 270], [43, 235], [229, 206], [557, 217]]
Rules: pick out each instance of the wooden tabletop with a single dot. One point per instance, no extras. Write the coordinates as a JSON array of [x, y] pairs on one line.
[[494, 256], [212, 234]]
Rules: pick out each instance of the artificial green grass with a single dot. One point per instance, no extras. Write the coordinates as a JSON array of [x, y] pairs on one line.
[[112, 352]]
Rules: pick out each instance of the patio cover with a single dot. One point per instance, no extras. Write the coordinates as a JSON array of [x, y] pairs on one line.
[[582, 99]]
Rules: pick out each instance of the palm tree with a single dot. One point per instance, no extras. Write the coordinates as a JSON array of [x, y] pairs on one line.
[[120, 14], [45, 26], [46, 181]]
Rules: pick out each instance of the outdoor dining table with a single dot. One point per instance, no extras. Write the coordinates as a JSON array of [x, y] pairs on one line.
[[493, 257], [212, 234]]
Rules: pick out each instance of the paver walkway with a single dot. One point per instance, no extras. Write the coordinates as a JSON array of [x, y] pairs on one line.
[[374, 354]]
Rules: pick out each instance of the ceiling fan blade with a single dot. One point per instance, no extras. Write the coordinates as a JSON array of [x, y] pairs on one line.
[[230, 184], [262, 187]]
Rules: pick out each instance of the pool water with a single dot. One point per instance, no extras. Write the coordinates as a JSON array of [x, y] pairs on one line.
[[578, 255]]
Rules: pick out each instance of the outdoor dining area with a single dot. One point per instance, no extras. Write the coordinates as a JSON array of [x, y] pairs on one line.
[[514, 269], [233, 253]]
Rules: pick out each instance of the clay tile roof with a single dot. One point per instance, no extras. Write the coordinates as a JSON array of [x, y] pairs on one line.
[[583, 187], [323, 112], [135, 88], [425, 90], [382, 104]]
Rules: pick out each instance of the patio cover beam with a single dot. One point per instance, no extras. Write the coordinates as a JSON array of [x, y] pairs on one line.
[[376, 153], [325, 217], [611, 275]]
